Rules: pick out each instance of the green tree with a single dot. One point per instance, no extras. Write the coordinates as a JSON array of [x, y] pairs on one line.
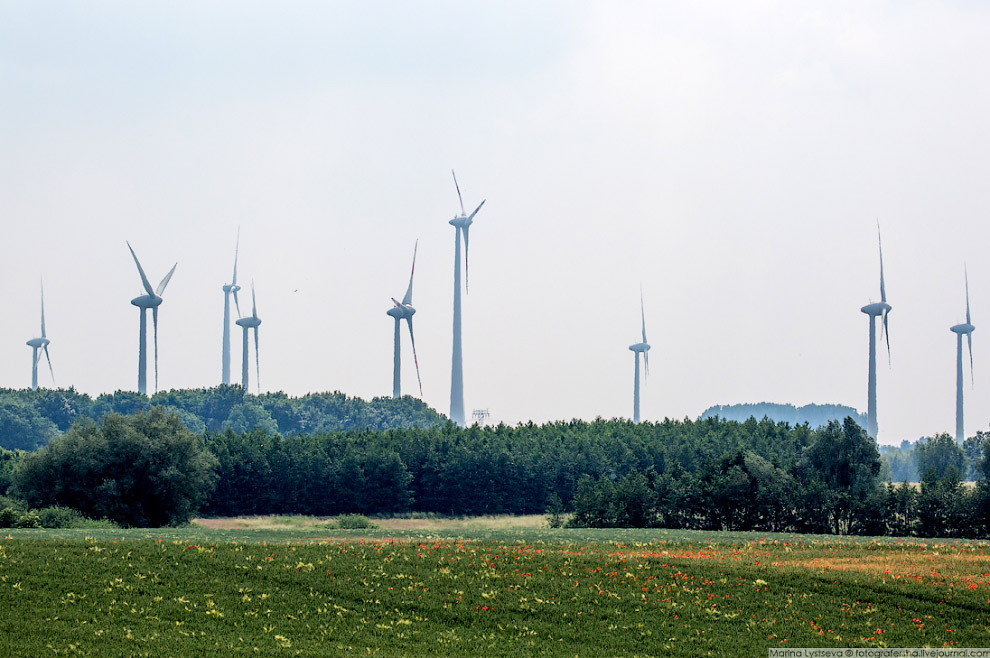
[[249, 416], [22, 427], [973, 448], [939, 454], [941, 503], [842, 468], [143, 470]]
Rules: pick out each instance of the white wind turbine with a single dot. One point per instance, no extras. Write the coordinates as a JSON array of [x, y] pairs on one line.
[[877, 309], [462, 223], [151, 300], [229, 288], [250, 322], [40, 345], [404, 310], [637, 349], [961, 330]]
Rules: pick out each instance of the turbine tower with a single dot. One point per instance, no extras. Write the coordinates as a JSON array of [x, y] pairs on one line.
[[882, 309], [38, 346], [228, 288], [250, 322], [960, 330], [151, 300], [462, 223], [644, 349], [404, 311]]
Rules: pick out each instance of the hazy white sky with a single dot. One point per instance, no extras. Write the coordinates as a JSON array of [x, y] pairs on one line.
[[732, 158]]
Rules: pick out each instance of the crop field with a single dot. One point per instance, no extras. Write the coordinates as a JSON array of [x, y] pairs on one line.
[[501, 592]]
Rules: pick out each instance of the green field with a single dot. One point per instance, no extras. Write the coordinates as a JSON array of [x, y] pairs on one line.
[[481, 591]]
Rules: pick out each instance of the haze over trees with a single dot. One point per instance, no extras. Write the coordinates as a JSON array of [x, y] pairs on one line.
[[815, 415]]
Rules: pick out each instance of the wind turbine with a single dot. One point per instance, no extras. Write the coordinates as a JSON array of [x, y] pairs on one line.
[[250, 322], [874, 310], [228, 288], [461, 223], [404, 311], [38, 345], [644, 349], [960, 330], [151, 300]]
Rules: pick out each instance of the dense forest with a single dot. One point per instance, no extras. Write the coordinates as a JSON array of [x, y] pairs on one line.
[[814, 415], [706, 474], [30, 419]]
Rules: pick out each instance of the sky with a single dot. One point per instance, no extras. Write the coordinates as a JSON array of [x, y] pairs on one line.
[[730, 159]]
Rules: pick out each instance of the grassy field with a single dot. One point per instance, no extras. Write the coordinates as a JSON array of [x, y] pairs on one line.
[[491, 588]]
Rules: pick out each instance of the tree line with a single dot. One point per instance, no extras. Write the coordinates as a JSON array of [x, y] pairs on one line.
[[29, 418], [150, 469]]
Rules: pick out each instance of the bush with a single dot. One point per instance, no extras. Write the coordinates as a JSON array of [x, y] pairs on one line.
[[555, 511], [57, 516], [9, 517], [354, 522], [29, 519]]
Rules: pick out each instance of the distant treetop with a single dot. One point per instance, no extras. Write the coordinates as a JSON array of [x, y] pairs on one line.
[[816, 415]]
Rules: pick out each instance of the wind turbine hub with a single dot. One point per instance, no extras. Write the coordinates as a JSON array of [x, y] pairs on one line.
[[877, 308], [147, 301]]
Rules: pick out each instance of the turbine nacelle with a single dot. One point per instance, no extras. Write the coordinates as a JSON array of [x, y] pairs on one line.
[[249, 322], [462, 221], [38, 342], [231, 287], [640, 347], [401, 311], [147, 301], [877, 308], [962, 329]]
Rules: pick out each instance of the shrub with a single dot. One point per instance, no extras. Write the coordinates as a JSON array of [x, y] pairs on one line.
[[28, 519], [555, 511], [354, 522], [57, 516], [9, 517]]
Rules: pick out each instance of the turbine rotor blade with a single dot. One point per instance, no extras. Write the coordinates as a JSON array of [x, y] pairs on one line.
[[48, 356], [154, 318], [471, 216], [43, 311], [408, 298], [144, 279], [254, 303], [883, 289], [168, 277], [458, 192], [969, 339], [642, 310], [886, 333], [415, 358], [968, 321], [466, 229], [237, 304], [646, 362]]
